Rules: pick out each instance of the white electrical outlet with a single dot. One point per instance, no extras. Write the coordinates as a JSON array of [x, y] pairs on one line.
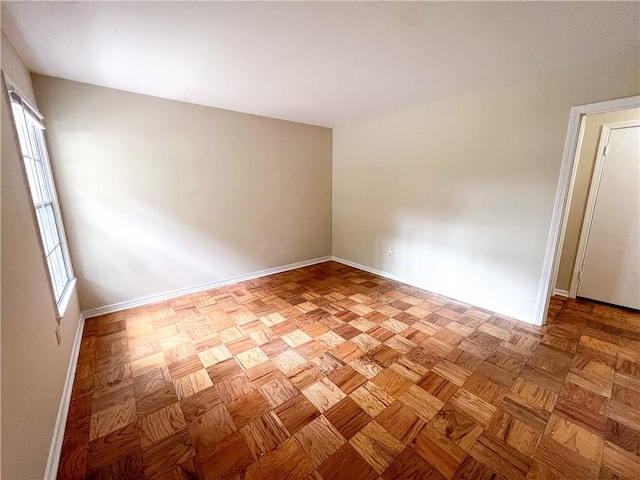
[[58, 336], [390, 254]]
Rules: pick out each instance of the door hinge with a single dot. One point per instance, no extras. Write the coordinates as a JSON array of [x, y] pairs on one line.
[[606, 149]]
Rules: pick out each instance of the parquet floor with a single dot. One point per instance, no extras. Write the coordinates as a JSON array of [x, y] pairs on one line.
[[331, 373]]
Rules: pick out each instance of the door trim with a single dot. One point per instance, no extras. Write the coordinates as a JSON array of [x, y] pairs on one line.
[[560, 208], [593, 196]]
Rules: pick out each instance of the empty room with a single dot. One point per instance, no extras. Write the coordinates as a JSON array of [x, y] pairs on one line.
[[320, 240]]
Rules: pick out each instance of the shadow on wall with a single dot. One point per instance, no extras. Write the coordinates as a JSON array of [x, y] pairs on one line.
[[127, 241]]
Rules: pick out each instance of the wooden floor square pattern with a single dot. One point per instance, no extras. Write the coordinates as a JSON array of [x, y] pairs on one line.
[[328, 372]]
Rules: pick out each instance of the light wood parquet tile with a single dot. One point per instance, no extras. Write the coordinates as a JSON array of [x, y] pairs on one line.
[[564, 462], [588, 444], [347, 417], [619, 462], [323, 394], [331, 373], [377, 446], [149, 362], [263, 373], [534, 394], [330, 339], [108, 377], [327, 363], [248, 408], [210, 428], [505, 459], [199, 403], [288, 360], [304, 376], [287, 462], [192, 383], [410, 370], [473, 406], [485, 389], [346, 464], [534, 417], [439, 451], [214, 355], [515, 433], [226, 458], [161, 424], [111, 396], [409, 465], [367, 366], [455, 427], [371, 398], [319, 439], [159, 398], [346, 352], [401, 422], [454, 373], [264, 434], [278, 391], [392, 382], [151, 381], [166, 454], [109, 448], [296, 412], [347, 379], [422, 403], [112, 418]]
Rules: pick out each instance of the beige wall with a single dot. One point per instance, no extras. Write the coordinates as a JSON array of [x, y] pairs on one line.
[[159, 195], [462, 189], [34, 367], [586, 161]]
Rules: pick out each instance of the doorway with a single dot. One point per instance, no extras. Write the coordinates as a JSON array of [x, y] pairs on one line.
[[594, 191], [573, 189], [607, 264]]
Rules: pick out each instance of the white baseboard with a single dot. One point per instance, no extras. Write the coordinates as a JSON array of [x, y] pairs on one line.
[[375, 271], [139, 302], [562, 293], [63, 410], [397, 278]]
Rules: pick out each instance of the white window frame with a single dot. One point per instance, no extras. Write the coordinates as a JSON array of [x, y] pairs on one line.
[[36, 152]]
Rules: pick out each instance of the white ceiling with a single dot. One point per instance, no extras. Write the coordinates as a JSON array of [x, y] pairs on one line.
[[319, 63]]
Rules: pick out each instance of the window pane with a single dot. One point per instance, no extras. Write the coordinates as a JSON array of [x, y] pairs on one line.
[[47, 222], [21, 128], [58, 272], [33, 181], [42, 181], [33, 139], [64, 278], [55, 275]]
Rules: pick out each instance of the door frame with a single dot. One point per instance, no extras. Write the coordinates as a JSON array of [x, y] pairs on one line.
[[593, 196], [566, 178]]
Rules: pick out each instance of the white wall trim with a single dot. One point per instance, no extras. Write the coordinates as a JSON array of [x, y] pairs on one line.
[[375, 271], [560, 214], [139, 302], [572, 184], [562, 293], [63, 410], [397, 278]]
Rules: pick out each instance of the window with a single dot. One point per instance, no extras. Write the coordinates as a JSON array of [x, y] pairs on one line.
[[30, 130]]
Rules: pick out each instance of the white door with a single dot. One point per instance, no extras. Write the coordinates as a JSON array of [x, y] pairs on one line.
[[611, 267]]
